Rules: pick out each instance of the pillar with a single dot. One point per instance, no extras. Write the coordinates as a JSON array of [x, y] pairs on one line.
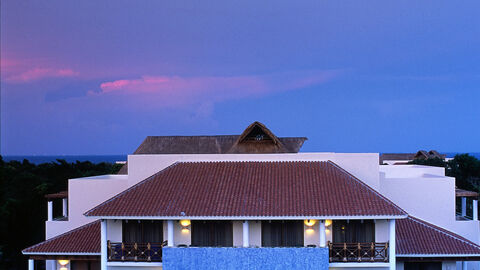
[[50, 211], [322, 233], [391, 246], [246, 234], [464, 265], [475, 210], [31, 265], [64, 209], [170, 233], [103, 243], [464, 206]]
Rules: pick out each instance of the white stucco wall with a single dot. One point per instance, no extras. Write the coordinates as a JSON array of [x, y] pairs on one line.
[[362, 165], [255, 233], [382, 231], [83, 195]]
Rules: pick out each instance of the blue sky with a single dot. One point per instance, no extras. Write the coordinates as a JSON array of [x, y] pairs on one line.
[[96, 77]]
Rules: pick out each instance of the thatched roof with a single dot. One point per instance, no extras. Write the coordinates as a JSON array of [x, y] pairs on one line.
[[465, 193], [422, 154], [255, 139]]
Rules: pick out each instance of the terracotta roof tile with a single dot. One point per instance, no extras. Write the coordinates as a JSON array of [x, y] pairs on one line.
[[249, 189], [417, 237], [84, 239]]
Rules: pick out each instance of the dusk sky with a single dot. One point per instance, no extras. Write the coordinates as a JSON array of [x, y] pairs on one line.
[[97, 77]]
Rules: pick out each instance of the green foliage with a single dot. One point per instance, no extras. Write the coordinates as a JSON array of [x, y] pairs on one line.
[[23, 208], [464, 167]]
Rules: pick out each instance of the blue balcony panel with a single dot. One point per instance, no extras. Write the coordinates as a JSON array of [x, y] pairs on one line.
[[244, 258]]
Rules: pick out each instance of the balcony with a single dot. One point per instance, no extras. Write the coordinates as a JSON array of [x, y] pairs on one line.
[[135, 252], [358, 252]]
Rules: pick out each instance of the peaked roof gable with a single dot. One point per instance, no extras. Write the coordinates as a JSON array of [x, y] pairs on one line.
[[257, 138], [249, 189]]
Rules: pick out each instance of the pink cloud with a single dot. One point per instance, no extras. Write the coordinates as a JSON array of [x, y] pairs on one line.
[[176, 90], [40, 73]]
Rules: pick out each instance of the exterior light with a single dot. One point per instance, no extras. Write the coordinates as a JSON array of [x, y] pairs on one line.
[[185, 222], [63, 262], [310, 222], [310, 231], [185, 230], [328, 222], [63, 268]]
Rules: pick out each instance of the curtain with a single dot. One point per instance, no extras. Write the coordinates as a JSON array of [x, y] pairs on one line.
[[282, 233], [212, 233], [145, 231], [354, 231]]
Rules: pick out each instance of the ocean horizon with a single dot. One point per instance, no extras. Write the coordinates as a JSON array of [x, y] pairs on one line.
[[38, 159]]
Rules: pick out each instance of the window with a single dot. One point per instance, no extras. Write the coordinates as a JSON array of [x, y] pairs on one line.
[[282, 233], [212, 234], [353, 231], [145, 231]]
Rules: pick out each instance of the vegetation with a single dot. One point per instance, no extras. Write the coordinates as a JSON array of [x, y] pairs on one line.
[[23, 207], [464, 167]]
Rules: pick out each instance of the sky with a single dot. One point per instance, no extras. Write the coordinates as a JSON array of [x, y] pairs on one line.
[[96, 77]]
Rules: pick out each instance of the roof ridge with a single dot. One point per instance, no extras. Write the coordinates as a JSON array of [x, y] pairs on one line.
[[129, 189], [63, 234], [367, 186], [443, 231]]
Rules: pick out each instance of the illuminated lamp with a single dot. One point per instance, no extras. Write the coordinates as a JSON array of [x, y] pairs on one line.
[[63, 262], [328, 222], [185, 222], [310, 222]]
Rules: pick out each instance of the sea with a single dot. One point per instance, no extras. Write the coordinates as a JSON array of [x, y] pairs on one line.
[[116, 158]]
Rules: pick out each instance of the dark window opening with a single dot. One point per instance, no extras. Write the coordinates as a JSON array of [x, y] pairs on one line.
[[144, 231], [353, 231], [282, 233], [423, 266], [257, 134], [212, 234]]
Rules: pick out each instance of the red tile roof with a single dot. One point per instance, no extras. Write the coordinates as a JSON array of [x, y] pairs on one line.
[[249, 189], [84, 239], [417, 237]]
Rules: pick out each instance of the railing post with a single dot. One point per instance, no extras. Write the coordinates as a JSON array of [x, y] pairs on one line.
[[391, 245], [372, 252], [344, 252], [359, 252]]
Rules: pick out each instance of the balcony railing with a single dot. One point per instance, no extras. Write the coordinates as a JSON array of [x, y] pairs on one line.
[[358, 252], [135, 252]]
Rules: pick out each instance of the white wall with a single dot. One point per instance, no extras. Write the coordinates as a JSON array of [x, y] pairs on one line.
[[255, 233], [83, 195], [363, 166]]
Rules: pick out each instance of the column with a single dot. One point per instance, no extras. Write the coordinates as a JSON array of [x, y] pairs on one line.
[[31, 265], [464, 206], [322, 233], [103, 243], [246, 236], [64, 209], [464, 265], [391, 246], [50, 211], [475, 210], [170, 233]]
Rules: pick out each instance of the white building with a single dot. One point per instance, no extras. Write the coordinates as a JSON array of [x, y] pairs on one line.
[[251, 201]]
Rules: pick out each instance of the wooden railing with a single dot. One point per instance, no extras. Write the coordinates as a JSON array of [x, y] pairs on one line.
[[358, 252], [135, 252]]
